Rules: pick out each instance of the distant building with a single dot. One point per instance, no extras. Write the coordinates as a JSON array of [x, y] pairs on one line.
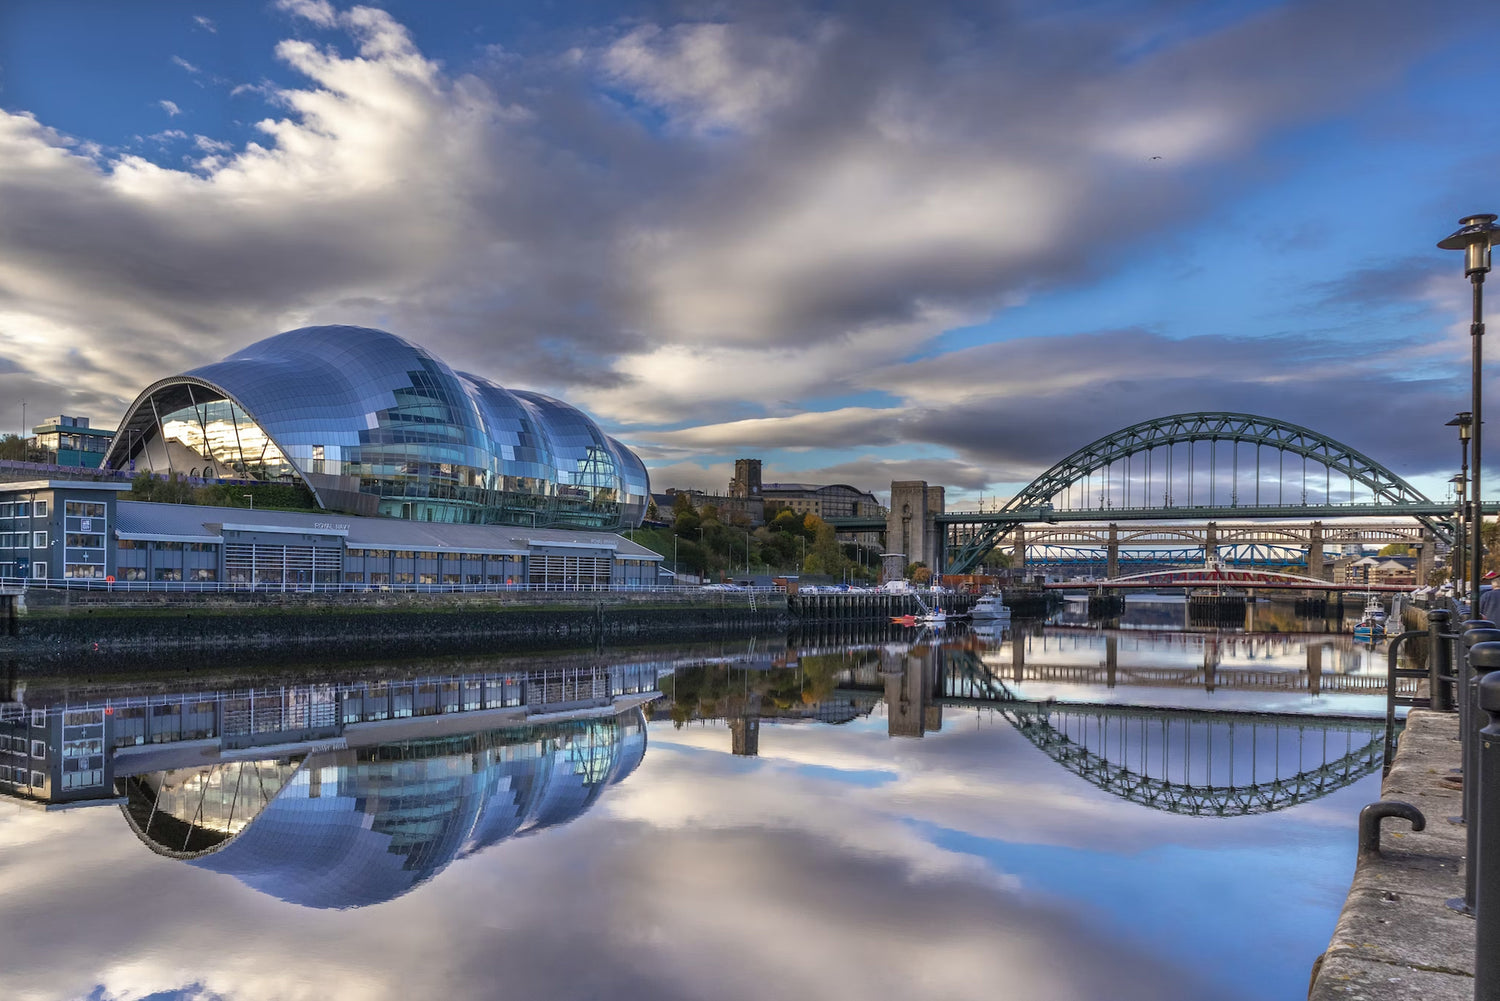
[[1381, 570], [69, 441], [746, 482], [837, 500]]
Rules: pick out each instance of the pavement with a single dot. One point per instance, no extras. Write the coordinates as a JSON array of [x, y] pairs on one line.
[[1397, 937]]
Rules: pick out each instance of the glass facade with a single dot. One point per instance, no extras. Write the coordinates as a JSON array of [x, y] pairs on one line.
[[375, 425]]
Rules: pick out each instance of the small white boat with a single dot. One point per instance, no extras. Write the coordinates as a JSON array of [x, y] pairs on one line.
[[937, 617], [989, 608]]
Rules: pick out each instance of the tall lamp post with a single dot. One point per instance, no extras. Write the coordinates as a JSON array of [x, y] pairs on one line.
[[1475, 235]]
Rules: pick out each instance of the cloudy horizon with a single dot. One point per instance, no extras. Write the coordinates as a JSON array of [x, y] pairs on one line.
[[862, 242]]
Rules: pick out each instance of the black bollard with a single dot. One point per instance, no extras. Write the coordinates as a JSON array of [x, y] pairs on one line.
[[1469, 716], [1487, 860], [1483, 659], [1439, 661]]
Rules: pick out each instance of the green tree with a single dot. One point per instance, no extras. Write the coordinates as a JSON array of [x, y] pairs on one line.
[[1395, 549]]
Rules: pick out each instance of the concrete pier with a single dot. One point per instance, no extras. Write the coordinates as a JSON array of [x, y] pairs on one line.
[[1397, 937]]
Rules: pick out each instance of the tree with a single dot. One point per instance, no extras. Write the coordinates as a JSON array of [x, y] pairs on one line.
[[1395, 549]]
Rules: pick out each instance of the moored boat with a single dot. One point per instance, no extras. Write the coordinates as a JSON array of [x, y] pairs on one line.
[[989, 608]]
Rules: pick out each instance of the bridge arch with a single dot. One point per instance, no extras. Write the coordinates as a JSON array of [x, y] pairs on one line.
[[1140, 468], [1164, 759], [1164, 432]]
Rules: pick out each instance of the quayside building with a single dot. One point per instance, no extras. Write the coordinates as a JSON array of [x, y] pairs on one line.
[[421, 475]]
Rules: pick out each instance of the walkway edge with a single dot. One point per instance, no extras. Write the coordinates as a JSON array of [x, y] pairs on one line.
[[1397, 937]]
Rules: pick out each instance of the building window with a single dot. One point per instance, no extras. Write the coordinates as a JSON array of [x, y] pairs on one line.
[[39, 571], [380, 578], [450, 578], [86, 570], [83, 509], [426, 578], [169, 547], [39, 749], [23, 509], [38, 540], [38, 780], [203, 573], [168, 573], [354, 553], [76, 540], [129, 544], [403, 578], [38, 717], [354, 578], [404, 554], [41, 509]]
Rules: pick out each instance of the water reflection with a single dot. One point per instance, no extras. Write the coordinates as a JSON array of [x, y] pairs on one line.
[[1175, 759], [366, 823]]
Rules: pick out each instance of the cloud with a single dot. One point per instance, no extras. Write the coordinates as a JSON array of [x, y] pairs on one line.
[[727, 227], [206, 24], [185, 64]]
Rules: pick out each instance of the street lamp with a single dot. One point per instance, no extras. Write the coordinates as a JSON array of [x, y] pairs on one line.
[[1459, 482], [1464, 422], [1474, 237], [251, 499]]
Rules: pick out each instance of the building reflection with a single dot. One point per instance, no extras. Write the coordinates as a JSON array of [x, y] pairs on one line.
[[336, 794], [365, 823]]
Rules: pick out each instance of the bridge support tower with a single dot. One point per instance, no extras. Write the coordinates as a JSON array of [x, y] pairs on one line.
[[1112, 564], [1210, 541], [1315, 566], [1018, 555], [911, 527]]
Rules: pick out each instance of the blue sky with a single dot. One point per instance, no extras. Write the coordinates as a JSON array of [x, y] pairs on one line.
[[862, 241]]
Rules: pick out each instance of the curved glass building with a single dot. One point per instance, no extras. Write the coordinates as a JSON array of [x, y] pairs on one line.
[[375, 425]]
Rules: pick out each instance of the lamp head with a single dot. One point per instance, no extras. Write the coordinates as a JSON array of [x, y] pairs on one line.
[[1475, 235], [1464, 421]]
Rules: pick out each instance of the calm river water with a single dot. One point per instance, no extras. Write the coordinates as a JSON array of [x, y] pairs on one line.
[[1057, 811]]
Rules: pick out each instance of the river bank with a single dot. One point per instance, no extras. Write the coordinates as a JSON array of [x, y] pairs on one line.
[[1397, 937]]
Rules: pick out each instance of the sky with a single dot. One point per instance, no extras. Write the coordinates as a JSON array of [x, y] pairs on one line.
[[862, 241]]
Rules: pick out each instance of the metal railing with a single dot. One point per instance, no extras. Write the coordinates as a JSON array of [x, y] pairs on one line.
[[341, 587]]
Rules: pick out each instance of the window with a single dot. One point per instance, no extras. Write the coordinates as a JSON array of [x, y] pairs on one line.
[[450, 578], [354, 578], [203, 573], [23, 510], [404, 554], [474, 578], [167, 546], [38, 540], [83, 509], [378, 554], [77, 540], [380, 578], [38, 717], [403, 578], [39, 749], [168, 573], [82, 570], [202, 547], [129, 544], [354, 553], [41, 509], [426, 578], [38, 780], [39, 571], [426, 555]]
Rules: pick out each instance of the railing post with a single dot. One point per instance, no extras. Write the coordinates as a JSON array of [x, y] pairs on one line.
[[1484, 658], [1439, 661], [1485, 855]]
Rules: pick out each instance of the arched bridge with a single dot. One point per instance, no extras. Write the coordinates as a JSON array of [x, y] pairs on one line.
[[1201, 467]]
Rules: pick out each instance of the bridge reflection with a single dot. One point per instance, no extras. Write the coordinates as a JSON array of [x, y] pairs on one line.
[[1183, 761]]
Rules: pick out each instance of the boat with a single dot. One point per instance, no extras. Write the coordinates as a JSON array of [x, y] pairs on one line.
[[989, 608], [1369, 631]]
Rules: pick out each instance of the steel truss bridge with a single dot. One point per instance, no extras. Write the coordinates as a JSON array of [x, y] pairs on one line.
[[1236, 578], [1206, 467], [1191, 762], [1080, 558]]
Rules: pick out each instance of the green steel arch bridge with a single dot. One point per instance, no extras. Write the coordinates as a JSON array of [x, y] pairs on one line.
[[1199, 467]]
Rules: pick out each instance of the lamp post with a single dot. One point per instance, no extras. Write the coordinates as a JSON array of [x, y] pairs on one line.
[[251, 499], [1474, 237], [1464, 421], [1458, 574]]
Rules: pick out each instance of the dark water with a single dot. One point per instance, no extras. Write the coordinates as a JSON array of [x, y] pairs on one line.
[[905, 818]]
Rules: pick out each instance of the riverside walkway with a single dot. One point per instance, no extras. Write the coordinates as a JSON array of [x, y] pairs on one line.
[[1397, 937]]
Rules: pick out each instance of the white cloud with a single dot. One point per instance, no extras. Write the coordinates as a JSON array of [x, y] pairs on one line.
[[205, 23], [170, 107], [185, 64]]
